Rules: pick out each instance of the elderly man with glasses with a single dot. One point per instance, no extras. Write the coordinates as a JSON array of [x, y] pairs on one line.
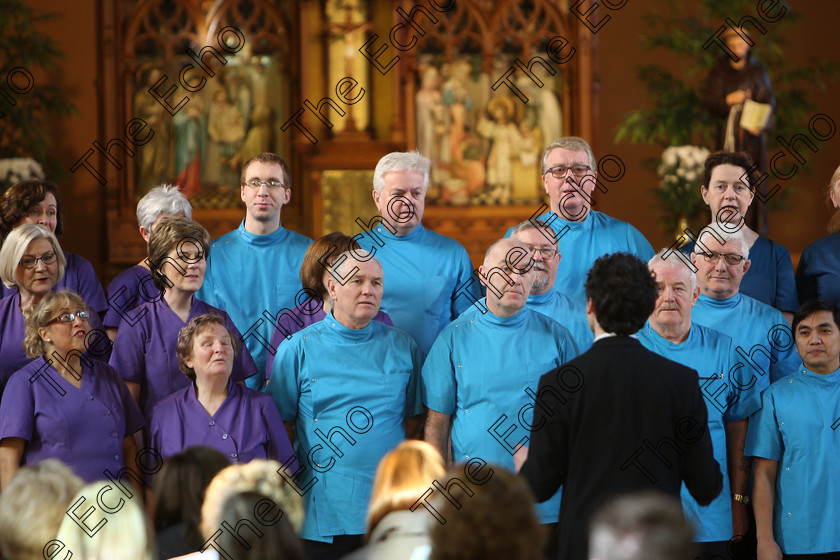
[[252, 272], [583, 235]]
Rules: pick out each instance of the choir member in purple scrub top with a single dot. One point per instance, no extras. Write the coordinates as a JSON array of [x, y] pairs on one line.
[[316, 302], [63, 405], [145, 348], [134, 286], [213, 410], [31, 264], [36, 202]]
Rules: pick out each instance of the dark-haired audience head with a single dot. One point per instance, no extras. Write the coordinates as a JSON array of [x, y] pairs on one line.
[[261, 526], [403, 474], [323, 253], [190, 339], [726, 188], [508, 273], [31, 241], [160, 203], [816, 330], [721, 256], [620, 293], [31, 202], [497, 521], [176, 247], [641, 526], [33, 506], [180, 487]]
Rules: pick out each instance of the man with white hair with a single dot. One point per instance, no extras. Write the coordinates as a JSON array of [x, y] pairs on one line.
[[430, 276], [670, 333], [349, 385], [569, 173]]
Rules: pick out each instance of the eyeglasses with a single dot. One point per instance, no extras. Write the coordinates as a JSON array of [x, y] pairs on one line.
[[729, 258], [559, 171], [69, 317], [256, 183], [547, 253], [30, 262]]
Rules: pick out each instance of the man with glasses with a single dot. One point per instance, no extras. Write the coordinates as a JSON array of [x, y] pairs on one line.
[[254, 271], [544, 298], [569, 174], [480, 377]]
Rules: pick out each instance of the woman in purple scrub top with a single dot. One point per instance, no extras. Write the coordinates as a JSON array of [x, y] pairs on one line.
[[63, 405], [213, 410]]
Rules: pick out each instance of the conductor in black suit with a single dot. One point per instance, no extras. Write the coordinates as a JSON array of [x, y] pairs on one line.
[[617, 418]]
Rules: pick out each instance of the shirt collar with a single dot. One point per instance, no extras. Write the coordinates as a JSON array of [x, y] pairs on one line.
[[254, 239], [386, 233]]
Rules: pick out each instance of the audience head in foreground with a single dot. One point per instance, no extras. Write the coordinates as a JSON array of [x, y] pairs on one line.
[[620, 294], [641, 526]]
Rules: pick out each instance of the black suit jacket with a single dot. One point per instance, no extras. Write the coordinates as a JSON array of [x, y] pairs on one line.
[[617, 419]]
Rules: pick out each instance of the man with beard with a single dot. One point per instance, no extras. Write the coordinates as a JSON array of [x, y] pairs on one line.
[[480, 375], [544, 298]]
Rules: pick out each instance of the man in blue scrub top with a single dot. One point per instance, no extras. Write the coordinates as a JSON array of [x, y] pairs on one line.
[[430, 277], [569, 173], [763, 341], [544, 298], [482, 372], [349, 386], [795, 444], [670, 333], [253, 272]]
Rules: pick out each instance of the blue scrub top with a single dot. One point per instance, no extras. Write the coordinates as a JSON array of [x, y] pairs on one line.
[[581, 243], [250, 274], [818, 273], [487, 383], [723, 387], [572, 316], [348, 391], [770, 278], [761, 335], [797, 426], [428, 280]]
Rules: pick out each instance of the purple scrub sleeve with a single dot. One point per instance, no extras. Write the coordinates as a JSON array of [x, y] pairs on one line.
[[130, 288], [82, 427], [246, 426], [145, 351]]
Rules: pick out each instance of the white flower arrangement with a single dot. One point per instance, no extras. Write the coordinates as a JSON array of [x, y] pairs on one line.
[[681, 171], [15, 170]]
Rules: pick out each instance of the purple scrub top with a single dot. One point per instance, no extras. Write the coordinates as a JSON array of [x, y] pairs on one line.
[[79, 277], [130, 288], [82, 427], [13, 328], [246, 426], [309, 312], [144, 351]]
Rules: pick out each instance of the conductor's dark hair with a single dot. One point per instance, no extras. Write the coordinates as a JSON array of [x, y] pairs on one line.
[[623, 292]]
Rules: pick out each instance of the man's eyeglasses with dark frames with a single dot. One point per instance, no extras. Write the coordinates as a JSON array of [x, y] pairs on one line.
[[272, 185], [559, 171]]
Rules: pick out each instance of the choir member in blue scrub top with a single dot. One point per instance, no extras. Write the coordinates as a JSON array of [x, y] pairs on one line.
[[316, 303], [430, 278], [213, 410], [728, 192], [477, 385], [145, 350], [795, 445], [32, 264], [818, 273], [252, 272], [349, 385], [729, 399], [64, 405], [763, 341], [134, 285], [544, 298], [36, 202], [569, 171]]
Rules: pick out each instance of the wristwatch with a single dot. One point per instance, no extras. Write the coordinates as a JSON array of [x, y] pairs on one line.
[[741, 498]]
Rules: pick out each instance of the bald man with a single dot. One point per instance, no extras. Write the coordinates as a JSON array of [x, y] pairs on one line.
[[481, 374]]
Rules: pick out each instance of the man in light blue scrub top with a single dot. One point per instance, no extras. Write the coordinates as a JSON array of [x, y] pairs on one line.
[[730, 399], [253, 272], [569, 175], [481, 375]]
